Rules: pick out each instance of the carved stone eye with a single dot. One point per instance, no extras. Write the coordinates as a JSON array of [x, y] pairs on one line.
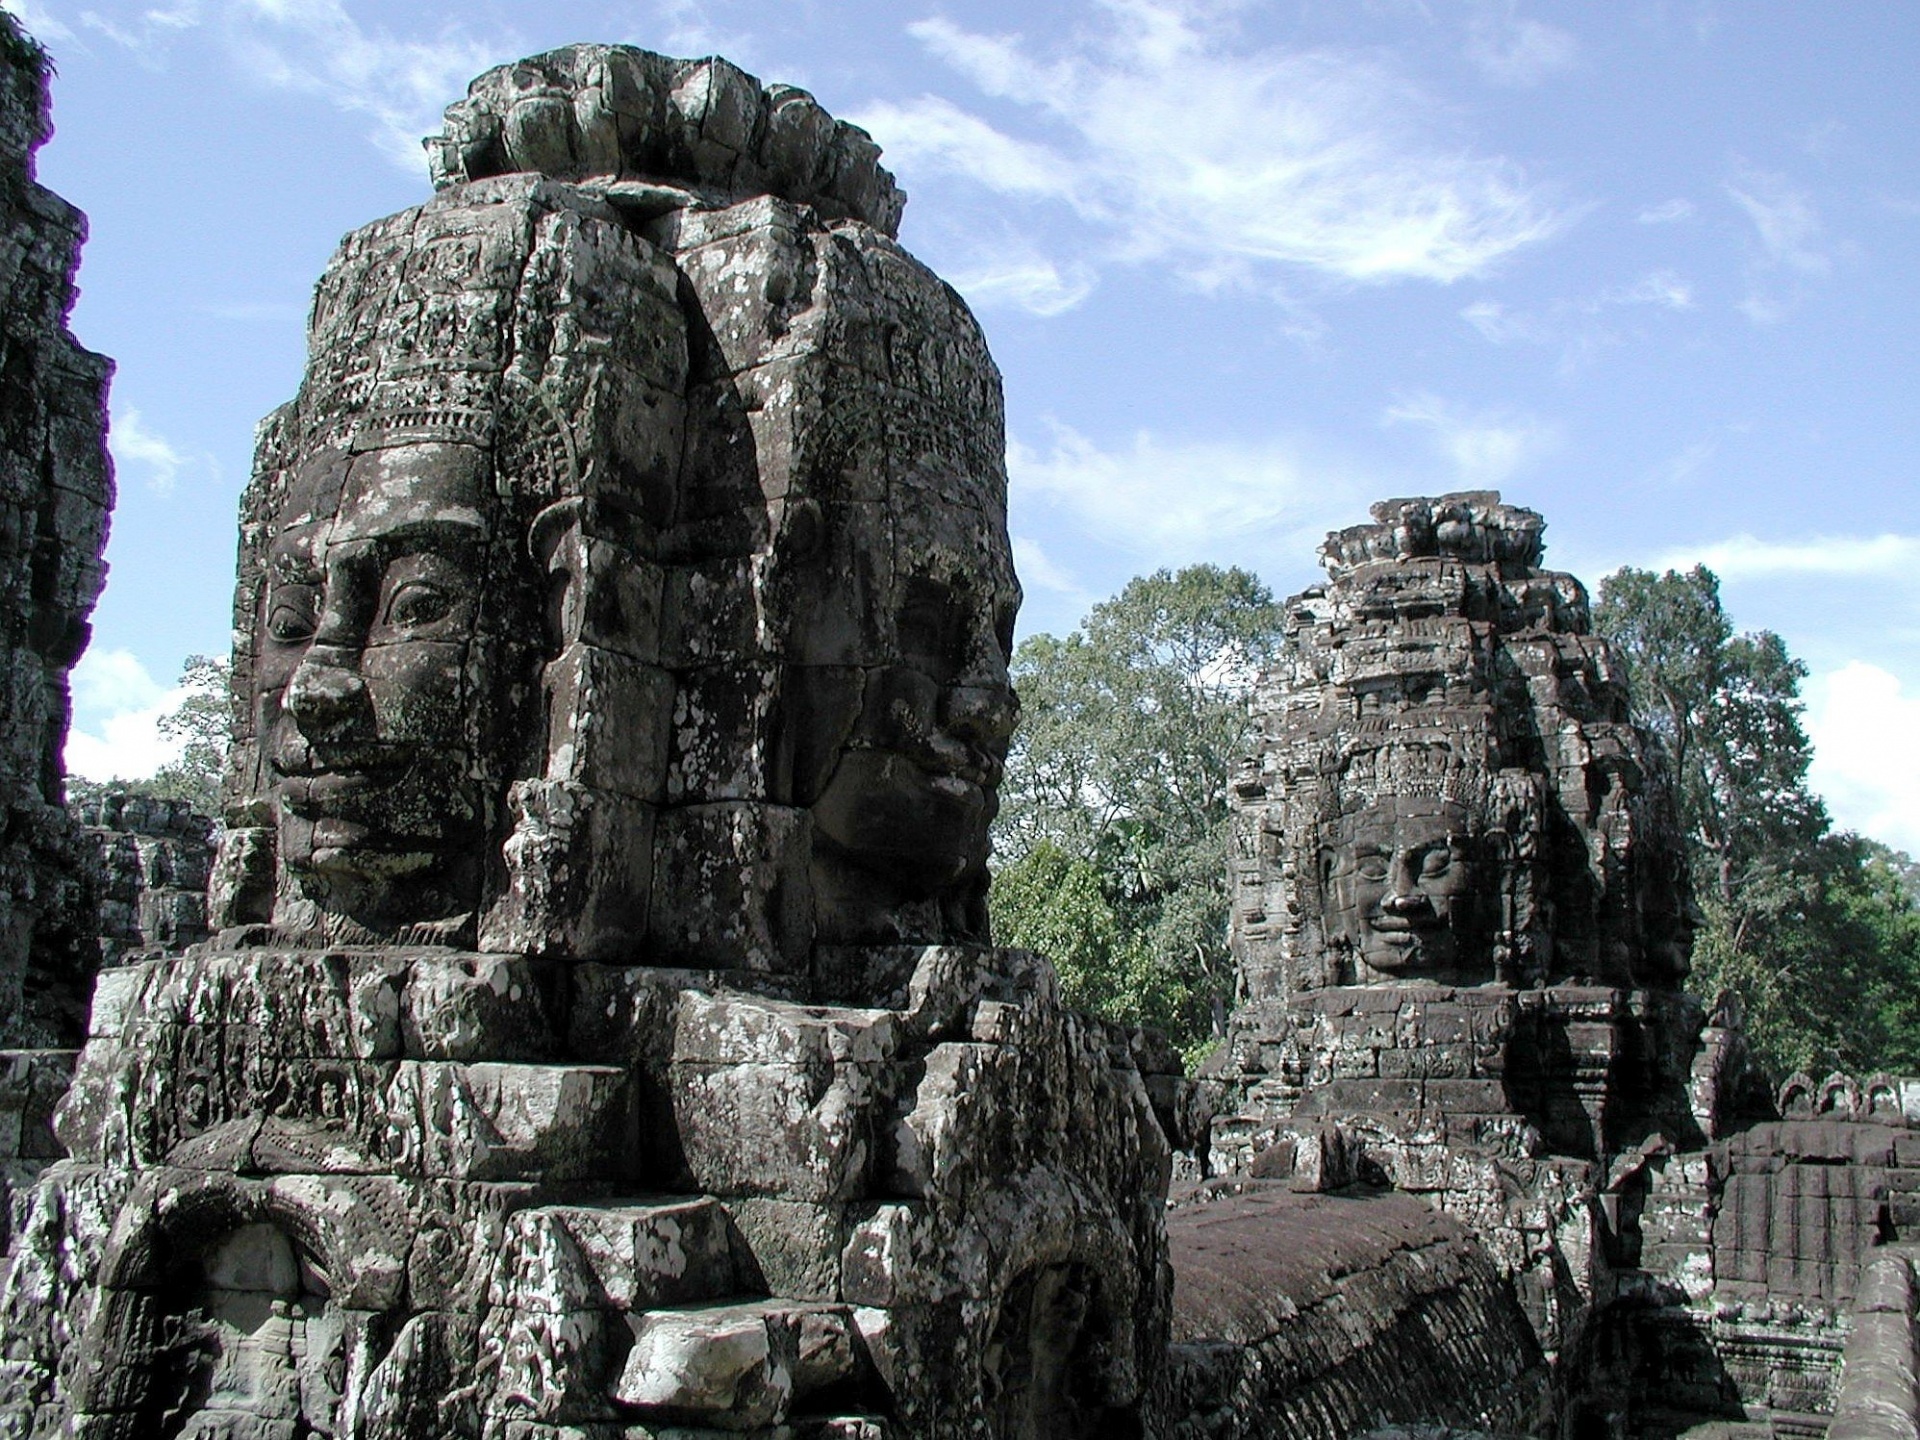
[[1436, 863], [418, 603], [1371, 866], [292, 613]]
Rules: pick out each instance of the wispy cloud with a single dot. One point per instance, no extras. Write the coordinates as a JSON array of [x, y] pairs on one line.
[[1667, 212], [117, 707], [1747, 557], [1862, 722], [1038, 571], [40, 22], [1025, 280], [1173, 499], [1790, 242], [1578, 325], [1485, 448], [1511, 49], [135, 446], [1235, 167], [316, 47], [1684, 464]]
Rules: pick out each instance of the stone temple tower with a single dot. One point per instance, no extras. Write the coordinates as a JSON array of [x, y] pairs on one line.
[[602, 1032], [1460, 907]]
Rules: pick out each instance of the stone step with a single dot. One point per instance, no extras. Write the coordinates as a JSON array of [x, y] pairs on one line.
[[748, 1361], [632, 1255]]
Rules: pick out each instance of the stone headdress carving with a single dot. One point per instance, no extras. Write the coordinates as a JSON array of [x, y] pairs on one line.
[[1447, 786], [731, 678]]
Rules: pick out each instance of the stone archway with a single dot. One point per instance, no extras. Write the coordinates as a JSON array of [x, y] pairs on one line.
[[272, 1353], [1041, 1377]]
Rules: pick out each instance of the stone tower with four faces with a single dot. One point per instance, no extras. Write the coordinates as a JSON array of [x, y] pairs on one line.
[[620, 694], [1461, 913]]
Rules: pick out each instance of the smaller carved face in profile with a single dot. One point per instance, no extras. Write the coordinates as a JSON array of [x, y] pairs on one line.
[[1400, 886], [911, 794], [365, 660]]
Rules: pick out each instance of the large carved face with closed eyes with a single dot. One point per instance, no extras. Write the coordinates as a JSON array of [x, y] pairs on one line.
[[365, 674], [1400, 885], [907, 753]]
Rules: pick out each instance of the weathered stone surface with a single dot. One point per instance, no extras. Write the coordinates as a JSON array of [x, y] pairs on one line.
[[56, 488], [148, 878], [1447, 787], [600, 1036], [1320, 1315], [1460, 915]]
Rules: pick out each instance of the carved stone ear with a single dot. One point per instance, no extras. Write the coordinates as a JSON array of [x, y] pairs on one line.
[[555, 542]]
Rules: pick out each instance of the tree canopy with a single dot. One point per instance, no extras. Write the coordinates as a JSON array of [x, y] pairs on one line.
[[1114, 811], [1818, 929]]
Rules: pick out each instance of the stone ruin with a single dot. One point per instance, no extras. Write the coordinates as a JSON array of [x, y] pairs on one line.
[[601, 1032], [146, 871], [56, 487], [591, 1031], [1461, 926]]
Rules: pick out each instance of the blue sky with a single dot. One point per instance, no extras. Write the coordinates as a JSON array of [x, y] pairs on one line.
[[1648, 267]]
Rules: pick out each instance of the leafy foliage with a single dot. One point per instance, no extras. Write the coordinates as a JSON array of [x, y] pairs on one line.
[[1113, 820], [201, 721], [1818, 930]]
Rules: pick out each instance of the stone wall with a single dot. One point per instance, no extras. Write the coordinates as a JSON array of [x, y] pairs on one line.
[[1322, 1316], [150, 861], [55, 492]]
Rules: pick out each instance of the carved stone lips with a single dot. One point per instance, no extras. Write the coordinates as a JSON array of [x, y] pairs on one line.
[[1404, 926], [315, 777]]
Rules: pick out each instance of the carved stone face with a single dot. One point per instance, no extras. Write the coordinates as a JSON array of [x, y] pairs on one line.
[[1401, 886], [367, 664], [913, 789]]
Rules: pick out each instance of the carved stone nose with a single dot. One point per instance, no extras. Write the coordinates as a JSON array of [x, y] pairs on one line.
[[326, 699], [984, 714], [1405, 902]]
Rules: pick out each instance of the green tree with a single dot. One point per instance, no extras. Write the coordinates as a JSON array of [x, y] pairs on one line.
[[201, 722], [1815, 928], [1130, 728]]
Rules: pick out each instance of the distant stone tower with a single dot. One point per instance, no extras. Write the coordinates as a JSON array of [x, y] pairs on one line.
[[601, 1035], [56, 488], [1460, 904]]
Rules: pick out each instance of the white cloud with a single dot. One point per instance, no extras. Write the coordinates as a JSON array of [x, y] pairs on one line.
[[117, 707], [1172, 500], [1512, 50], [1573, 323], [317, 48], [1486, 449], [133, 444], [1746, 557], [1791, 242], [934, 133], [40, 22], [1027, 282], [1660, 288], [1784, 218], [1863, 722], [1682, 466], [1668, 212], [1174, 146], [1038, 571]]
